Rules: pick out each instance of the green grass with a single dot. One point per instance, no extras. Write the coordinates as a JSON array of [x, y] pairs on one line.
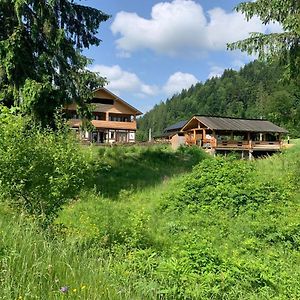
[[121, 239], [135, 168]]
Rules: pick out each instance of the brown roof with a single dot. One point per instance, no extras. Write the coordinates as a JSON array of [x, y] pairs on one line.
[[236, 124]]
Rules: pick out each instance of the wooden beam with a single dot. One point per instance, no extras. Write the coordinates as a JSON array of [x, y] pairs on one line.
[[249, 142], [214, 142], [204, 134]]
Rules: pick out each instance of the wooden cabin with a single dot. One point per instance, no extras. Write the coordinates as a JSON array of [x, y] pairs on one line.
[[114, 120], [222, 134]]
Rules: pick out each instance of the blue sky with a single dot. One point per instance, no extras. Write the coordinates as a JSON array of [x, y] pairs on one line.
[[152, 49]]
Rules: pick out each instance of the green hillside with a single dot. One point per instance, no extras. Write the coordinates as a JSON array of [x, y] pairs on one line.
[[256, 91], [143, 222], [227, 229]]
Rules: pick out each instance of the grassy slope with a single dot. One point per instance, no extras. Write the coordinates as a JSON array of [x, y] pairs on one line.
[[136, 168], [122, 244]]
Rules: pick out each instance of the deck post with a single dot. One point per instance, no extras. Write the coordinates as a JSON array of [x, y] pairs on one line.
[[203, 134], [280, 141], [250, 154], [261, 137], [213, 152]]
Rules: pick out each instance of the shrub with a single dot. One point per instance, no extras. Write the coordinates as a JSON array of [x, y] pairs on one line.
[[225, 183], [40, 169]]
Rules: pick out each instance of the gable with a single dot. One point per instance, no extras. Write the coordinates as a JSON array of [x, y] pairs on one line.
[[105, 101], [118, 105], [191, 124]]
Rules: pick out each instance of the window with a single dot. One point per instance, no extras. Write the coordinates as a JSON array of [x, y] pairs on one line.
[[102, 101], [119, 118], [99, 116], [132, 135]]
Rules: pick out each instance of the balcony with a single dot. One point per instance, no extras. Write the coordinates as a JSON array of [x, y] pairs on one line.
[[235, 145], [275, 145], [249, 145], [115, 125], [106, 124]]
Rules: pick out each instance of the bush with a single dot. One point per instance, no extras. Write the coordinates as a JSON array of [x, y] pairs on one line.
[[40, 169], [224, 183]]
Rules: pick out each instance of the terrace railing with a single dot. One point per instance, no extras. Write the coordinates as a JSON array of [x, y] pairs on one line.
[[249, 145]]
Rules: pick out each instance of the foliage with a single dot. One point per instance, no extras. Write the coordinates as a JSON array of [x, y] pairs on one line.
[[41, 64], [283, 46], [118, 170], [253, 92], [141, 246], [225, 183], [40, 169]]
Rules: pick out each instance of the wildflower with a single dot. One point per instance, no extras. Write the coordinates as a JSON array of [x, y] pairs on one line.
[[64, 289], [83, 287], [74, 290]]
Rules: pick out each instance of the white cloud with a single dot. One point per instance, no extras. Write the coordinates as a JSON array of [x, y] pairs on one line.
[[229, 27], [181, 27], [179, 81], [123, 81], [215, 71], [172, 27]]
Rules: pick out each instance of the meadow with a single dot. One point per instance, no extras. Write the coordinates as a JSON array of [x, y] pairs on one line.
[[151, 223]]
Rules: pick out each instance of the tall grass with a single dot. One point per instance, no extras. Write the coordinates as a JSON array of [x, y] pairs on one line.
[[37, 264], [136, 168], [124, 240]]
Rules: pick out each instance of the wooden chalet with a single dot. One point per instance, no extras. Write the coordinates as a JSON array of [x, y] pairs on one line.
[[222, 134], [114, 120]]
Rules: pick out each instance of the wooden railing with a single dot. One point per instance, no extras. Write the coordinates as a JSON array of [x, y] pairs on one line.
[[275, 145], [234, 145], [190, 140], [106, 124], [249, 145]]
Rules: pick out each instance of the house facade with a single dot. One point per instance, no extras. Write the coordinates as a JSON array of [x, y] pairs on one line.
[[114, 120]]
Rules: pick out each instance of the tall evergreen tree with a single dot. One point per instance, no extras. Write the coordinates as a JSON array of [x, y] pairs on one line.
[[41, 63]]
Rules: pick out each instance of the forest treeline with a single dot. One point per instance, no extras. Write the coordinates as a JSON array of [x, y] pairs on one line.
[[258, 90]]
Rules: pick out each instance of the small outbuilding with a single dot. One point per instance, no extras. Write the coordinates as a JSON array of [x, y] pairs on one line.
[[172, 133]]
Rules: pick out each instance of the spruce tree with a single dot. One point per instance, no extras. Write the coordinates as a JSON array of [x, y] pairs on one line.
[[41, 62]]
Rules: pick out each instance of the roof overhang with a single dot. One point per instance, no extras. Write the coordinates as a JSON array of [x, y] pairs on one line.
[[194, 119], [233, 124]]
